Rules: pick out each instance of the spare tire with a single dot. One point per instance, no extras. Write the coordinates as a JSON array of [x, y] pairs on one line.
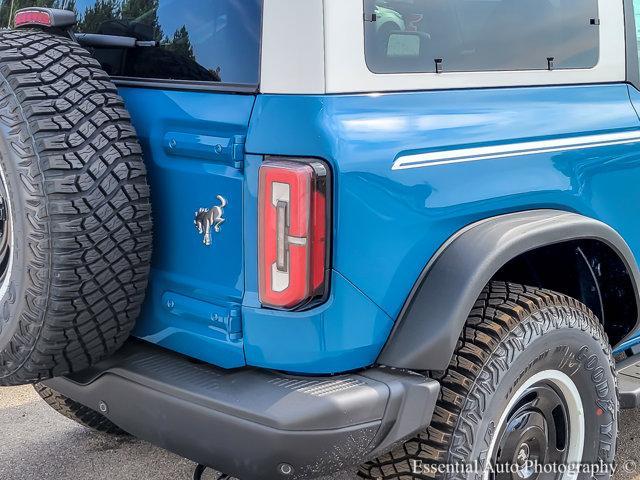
[[75, 214]]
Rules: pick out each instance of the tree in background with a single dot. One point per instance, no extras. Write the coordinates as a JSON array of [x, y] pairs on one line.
[[139, 12], [181, 44], [94, 16], [144, 12]]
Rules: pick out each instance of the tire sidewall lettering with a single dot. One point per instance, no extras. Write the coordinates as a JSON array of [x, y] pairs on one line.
[[583, 358]]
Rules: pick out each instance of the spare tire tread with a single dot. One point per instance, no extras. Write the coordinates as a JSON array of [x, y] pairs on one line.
[[88, 205]]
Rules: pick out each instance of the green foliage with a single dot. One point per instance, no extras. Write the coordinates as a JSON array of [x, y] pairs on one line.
[[181, 44], [145, 12], [100, 12], [138, 11]]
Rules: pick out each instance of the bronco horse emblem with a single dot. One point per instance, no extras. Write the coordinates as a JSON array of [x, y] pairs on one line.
[[207, 218]]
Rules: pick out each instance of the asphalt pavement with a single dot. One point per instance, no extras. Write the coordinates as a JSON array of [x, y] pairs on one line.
[[37, 443]]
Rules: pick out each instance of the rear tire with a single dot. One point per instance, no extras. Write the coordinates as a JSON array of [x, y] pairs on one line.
[[523, 351], [77, 219], [77, 412]]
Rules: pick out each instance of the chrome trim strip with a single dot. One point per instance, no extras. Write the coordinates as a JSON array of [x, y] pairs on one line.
[[461, 155]]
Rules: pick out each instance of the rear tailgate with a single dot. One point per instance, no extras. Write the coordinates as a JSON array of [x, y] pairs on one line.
[[188, 72], [194, 146]]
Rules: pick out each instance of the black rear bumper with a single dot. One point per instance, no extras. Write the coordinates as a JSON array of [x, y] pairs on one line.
[[249, 423]]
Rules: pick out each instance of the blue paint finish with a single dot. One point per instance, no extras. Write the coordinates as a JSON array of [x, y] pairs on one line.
[[252, 165], [627, 344], [187, 325], [226, 321], [196, 292], [206, 147], [345, 333], [388, 223]]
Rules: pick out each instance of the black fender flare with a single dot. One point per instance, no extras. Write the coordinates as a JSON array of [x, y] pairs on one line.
[[429, 325]]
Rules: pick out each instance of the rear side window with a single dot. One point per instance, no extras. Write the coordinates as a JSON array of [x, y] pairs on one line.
[[404, 36], [194, 40]]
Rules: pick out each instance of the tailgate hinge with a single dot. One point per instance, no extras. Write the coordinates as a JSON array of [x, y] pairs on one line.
[[228, 150], [230, 322], [234, 323], [225, 319], [237, 151]]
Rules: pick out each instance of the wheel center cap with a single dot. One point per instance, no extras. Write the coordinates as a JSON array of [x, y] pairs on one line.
[[523, 454]]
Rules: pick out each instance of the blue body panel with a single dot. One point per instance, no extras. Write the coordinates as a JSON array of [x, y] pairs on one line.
[[387, 223], [345, 333], [195, 293]]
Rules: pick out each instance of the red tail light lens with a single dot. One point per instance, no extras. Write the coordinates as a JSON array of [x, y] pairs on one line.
[[32, 17], [293, 227]]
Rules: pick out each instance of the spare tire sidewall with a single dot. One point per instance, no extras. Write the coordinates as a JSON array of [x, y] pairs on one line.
[[28, 221]]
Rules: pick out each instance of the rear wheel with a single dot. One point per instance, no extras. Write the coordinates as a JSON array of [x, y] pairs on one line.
[[531, 384], [77, 412], [75, 215]]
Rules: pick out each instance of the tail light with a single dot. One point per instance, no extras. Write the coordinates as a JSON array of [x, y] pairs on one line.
[[45, 17], [294, 222], [32, 17]]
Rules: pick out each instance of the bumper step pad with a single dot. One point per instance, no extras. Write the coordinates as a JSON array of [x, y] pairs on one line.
[[250, 423]]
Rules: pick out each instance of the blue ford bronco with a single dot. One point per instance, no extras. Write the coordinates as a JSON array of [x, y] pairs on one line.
[[394, 239]]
